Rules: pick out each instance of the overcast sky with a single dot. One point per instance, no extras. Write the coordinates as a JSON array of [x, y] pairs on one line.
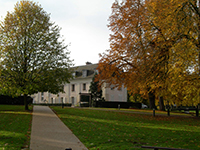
[[83, 22]]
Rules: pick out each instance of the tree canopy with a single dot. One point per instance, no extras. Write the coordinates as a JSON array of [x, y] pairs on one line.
[[33, 55], [154, 49]]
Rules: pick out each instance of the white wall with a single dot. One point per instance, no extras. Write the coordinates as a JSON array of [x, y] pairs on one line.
[[69, 95], [114, 94]]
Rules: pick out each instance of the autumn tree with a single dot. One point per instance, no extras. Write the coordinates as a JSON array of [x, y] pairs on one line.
[[179, 23], [149, 47], [33, 56], [128, 61], [188, 18]]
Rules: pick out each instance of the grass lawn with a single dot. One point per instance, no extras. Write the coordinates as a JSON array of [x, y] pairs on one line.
[[113, 130], [15, 127]]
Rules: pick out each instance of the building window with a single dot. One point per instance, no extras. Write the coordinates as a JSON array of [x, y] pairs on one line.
[[42, 96], [73, 101], [120, 97], [74, 74], [84, 73], [84, 86], [73, 87]]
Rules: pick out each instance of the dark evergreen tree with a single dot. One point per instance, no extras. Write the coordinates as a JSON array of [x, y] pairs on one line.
[[96, 92]]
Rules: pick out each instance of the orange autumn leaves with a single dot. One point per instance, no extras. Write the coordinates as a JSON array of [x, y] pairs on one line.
[[154, 45]]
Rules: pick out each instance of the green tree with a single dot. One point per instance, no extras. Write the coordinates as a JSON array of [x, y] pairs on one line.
[[96, 92], [33, 54]]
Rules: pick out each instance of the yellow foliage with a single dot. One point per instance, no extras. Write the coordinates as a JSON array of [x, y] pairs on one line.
[[154, 47]]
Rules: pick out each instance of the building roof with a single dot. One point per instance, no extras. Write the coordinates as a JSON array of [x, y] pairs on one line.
[[86, 67], [85, 71]]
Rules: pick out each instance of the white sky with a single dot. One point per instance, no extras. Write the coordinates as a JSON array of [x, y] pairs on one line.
[[83, 22]]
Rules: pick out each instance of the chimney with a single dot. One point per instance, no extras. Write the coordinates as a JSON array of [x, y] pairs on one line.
[[88, 63]]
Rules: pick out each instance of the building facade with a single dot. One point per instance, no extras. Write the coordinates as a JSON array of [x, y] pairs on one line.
[[79, 87]]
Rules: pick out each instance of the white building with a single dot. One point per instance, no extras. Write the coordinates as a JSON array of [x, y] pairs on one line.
[[78, 87]]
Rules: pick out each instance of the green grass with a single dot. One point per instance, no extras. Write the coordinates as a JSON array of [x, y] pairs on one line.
[[101, 130], [15, 126]]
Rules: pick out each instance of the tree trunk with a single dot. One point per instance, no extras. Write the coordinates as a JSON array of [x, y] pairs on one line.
[[152, 100], [161, 103], [25, 102]]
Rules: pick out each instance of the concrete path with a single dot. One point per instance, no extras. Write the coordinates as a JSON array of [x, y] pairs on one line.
[[50, 133]]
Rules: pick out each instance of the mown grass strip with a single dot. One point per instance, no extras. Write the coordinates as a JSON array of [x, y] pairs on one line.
[[119, 130], [15, 127]]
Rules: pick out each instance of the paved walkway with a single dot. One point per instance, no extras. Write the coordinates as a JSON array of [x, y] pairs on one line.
[[50, 133]]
